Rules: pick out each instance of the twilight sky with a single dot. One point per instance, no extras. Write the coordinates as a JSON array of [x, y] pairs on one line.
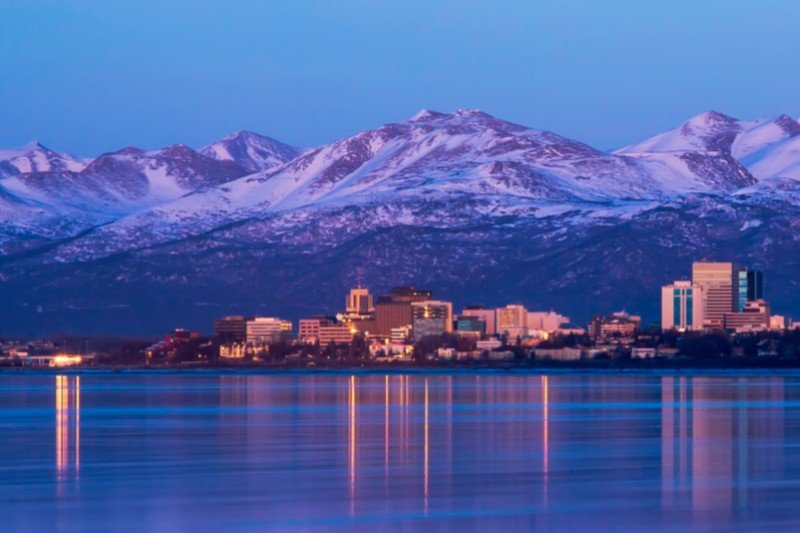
[[92, 76]]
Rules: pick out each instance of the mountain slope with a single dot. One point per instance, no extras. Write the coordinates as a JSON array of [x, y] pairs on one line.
[[767, 147]]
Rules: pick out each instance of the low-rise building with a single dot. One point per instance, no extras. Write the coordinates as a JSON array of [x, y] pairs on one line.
[[643, 353], [470, 326], [754, 317], [431, 318], [559, 354], [266, 330], [491, 343], [308, 328], [336, 333], [618, 324], [542, 323], [235, 350], [401, 334], [231, 328], [486, 315]]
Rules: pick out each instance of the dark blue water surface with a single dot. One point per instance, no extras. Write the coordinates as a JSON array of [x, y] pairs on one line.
[[207, 451]]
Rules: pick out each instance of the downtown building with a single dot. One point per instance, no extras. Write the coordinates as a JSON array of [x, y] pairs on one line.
[[231, 329], [682, 306], [727, 290], [512, 321], [431, 318], [485, 314], [309, 328], [392, 311], [359, 304], [268, 330], [720, 284]]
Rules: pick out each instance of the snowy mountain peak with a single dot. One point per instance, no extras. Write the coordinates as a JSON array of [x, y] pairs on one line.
[[426, 114], [10, 153], [35, 157], [251, 151], [710, 118]]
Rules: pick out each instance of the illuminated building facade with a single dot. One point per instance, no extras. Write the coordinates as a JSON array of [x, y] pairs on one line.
[[431, 317], [266, 330], [720, 284]]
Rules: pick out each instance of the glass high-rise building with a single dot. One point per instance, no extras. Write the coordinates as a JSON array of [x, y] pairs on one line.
[[741, 289], [755, 285], [749, 287]]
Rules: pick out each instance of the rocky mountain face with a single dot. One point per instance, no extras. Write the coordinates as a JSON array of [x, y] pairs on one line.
[[479, 209]]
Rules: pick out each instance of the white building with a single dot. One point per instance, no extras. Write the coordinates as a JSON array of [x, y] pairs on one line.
[[682, 306], [545, 321], [264, 330]]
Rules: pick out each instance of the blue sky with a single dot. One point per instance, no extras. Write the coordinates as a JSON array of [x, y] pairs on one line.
[[94, 76]]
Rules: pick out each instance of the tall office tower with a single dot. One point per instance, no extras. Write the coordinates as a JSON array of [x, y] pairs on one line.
[[682, 306], [359, 302], [740, 291], [720, 288], [749, 287], [755, 285]]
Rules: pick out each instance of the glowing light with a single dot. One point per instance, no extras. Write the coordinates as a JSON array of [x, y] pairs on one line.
[[65, 360], [66, 406], [352, 444], [62, 425], [77, 425]]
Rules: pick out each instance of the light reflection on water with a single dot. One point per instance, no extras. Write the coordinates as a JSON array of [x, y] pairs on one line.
[[188, 451], [68, 422]]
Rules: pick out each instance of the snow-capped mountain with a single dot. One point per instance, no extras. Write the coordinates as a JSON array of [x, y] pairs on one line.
[[768, 147], [478, 208], [124, 181], [33, 157], [251, 151]]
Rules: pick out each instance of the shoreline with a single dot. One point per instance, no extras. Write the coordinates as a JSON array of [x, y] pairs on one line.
[[776, 367]]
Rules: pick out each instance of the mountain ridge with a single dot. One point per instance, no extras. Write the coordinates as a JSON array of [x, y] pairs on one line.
[[454, 200]]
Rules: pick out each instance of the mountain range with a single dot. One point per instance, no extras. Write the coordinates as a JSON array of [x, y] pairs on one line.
[[479, 209]]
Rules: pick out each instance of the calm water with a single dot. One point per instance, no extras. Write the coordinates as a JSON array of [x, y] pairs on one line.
[[201, 452]]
